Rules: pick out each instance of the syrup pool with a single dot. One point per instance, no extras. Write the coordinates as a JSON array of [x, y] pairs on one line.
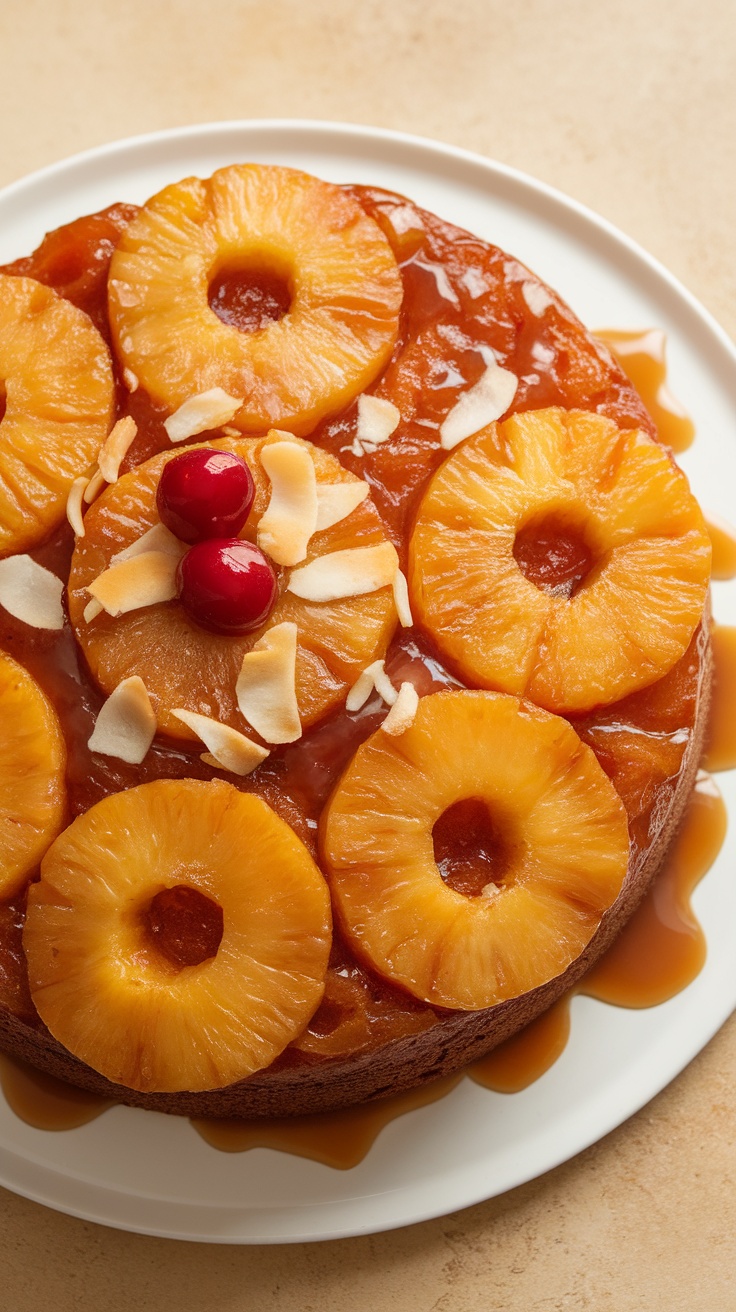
[[642, 356]]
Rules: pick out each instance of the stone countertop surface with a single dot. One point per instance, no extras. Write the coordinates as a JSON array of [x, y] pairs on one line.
[[629, 108]]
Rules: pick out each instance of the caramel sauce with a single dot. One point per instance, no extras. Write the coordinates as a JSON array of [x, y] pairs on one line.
[[554, 556], [46, 1103], [720, 752], [184, 925], [469, 850], [643, 360], [521, 1060], [662, 948], [723, 541], [337, 1139], [462, 298], [248, 299]]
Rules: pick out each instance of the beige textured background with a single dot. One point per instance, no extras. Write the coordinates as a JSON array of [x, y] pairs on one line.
[[631, 108]]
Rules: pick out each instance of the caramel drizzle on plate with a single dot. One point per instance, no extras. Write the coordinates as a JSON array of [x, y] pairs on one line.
[[642, 357]]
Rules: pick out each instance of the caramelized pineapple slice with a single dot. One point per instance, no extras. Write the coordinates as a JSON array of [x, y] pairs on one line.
[[154, 999], [57, 387], [558, 474], [32, 766], [333, 264], [186, 667], [563, 839]]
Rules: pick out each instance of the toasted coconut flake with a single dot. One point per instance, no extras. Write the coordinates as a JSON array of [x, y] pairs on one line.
[[207, 410], [483, 403], [92, 610], [31, 593], [126, 724], [142, 580], [227, 748], [377, 419], [266, 687], [401, 716], [74, 503], [372, 677], [116, 447], [290, 518], [335, 501], [131, 380], [94, 487], [401, 600], [537, 298], [349, 573], [158, 538]]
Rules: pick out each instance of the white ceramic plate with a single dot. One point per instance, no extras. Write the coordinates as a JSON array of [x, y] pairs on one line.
[[150, 1173]]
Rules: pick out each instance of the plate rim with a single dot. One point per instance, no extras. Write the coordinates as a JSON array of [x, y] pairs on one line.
[[617, 241]]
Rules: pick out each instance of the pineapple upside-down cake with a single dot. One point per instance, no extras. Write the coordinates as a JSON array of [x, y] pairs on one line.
[[355, 647]]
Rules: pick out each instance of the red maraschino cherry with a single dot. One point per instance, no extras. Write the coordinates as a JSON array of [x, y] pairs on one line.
[[227, 584], [205, 494]]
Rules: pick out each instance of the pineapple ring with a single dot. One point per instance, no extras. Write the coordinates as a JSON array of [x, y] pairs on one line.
[[32, 767], [114, 1000], [565, 831], [57, 384], [186, 667], [635, 613], [345, 287]]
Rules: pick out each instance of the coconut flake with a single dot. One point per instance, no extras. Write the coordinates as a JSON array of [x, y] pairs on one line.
[[207, 410], [474, 282], [537, 298], [126, 724], [31, 593], [350, 573], [131, 380], [116, 447], [94, 487], [401, 600], [158, 538], [377, 419], [401, 716], [290, 518], [266, 687], [92, 610], [483, 403], [228, 749], [335, 501], [141, 580], [404, 218], [74, 503], [372, 677]]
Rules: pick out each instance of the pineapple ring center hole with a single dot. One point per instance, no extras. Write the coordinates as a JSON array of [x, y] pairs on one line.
[[184, 925], [249, 297], [470, 850], [554, 553]]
